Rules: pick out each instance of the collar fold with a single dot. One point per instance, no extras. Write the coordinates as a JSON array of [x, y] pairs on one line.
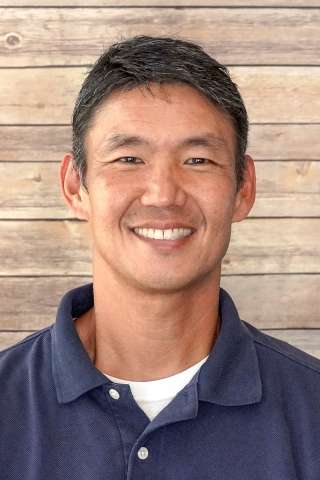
[[229, 377], [73, 372]]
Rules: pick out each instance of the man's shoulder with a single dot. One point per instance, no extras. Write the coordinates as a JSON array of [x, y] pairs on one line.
[[282, 353], [24, 350]]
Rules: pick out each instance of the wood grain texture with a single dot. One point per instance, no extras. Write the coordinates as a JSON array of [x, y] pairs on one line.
[[30, 303], [279, 94], [287, 189], [39, 95], [7, 339], [274, 246], [161, 3], [271, 94], [284, 142], [37, 143], [31, 190], [64, 247], [276, 301], [267, 142], [306, 340], [78, 36], [50, 247]]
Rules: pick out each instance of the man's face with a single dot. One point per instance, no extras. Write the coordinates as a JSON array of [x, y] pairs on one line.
[[160, 162]]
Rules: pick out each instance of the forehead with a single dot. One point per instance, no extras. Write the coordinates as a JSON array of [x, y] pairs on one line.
[[167, 113]]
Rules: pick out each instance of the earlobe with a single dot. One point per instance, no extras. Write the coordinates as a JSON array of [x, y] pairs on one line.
[[246, 196], [71, 187]]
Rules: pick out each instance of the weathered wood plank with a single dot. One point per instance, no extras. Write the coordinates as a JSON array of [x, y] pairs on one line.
[[32, 190], [284, 142], [306, 340], [274, 246], [39, 96], [77, 36], [53, 247], [267, 142], [269, 91], [30, 303], [284, 189], [287, 189], [161, 3], [272, 94], [276, 301], [7, 339], [39, 143], [64, 247]]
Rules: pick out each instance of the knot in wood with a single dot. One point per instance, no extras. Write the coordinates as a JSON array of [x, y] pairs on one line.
[[13, 40], [37, 178]]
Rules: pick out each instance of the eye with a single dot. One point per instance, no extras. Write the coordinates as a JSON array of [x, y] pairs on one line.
[[197, 161], [128, 159]]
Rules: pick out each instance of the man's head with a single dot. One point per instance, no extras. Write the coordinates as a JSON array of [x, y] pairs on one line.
[[142, 61], [159, 154]]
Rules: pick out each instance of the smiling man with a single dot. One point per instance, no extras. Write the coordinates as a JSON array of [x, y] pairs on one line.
[[148, 373], [161, 195]]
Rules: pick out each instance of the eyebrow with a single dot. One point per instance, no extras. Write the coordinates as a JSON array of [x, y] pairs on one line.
[[119, 140], [208, 140]]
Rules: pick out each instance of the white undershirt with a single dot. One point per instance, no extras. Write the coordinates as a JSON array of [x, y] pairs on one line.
[[154, 396]]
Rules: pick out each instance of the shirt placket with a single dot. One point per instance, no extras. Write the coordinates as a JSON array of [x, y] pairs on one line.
[[148, 452], [130, 419]]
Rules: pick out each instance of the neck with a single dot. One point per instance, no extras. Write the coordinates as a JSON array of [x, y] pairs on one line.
[[144, 336]]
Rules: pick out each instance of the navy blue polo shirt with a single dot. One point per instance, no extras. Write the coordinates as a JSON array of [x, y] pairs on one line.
[[250, 413]]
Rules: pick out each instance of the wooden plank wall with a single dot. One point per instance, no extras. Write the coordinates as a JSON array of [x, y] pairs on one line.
[[271, 47]]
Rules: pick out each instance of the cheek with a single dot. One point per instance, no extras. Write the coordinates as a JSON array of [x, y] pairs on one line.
[[217, 200], [109, 201]]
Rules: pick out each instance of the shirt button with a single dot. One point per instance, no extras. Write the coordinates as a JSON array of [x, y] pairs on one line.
[[143, 453], [114, 394]]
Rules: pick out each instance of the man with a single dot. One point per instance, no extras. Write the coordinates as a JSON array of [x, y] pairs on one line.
[[149, 373]]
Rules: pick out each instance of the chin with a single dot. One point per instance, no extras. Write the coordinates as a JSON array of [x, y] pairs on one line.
[[163, 284]]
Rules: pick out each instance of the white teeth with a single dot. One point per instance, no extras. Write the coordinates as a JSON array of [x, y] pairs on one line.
[[174, 234], [168, 234], [158, 234]]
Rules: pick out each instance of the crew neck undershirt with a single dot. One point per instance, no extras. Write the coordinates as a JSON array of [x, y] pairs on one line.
[[154, 396]]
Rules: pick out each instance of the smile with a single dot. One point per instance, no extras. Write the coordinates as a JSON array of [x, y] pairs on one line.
[[171, 234]]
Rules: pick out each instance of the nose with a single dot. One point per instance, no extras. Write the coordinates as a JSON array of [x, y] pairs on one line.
[[164, 186]]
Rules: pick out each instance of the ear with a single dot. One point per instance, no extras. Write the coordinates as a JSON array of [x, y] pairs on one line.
[[246, 196], [72, 191]]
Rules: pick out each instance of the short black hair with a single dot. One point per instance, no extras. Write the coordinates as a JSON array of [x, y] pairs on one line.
[[143, 60]]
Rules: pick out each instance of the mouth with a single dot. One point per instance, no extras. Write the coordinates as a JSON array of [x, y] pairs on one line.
[[168, 235], [164, 240]]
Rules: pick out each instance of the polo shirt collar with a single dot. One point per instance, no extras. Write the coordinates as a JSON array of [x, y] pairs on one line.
[[73, 372], [229, 377]]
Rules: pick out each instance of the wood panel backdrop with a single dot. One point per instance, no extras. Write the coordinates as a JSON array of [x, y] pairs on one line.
[[271, 47]]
